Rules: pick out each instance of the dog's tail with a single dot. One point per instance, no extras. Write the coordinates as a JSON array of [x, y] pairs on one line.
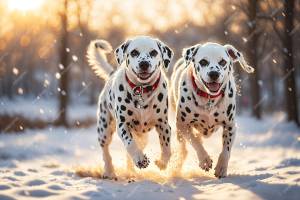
[[96, 55]]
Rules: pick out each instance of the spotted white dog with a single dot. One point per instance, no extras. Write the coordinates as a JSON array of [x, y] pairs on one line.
[[203, 93], [134, 98]]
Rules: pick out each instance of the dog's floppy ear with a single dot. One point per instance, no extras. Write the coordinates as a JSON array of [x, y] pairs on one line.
[[120, 52], [189, 53], [166, 53], [235, 56]]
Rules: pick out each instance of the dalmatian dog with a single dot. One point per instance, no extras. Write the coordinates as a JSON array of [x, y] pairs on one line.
[[203, 93], [134, 99]]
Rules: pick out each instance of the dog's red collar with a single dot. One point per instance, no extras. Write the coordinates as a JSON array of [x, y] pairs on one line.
[[202, 93], [140, 89]]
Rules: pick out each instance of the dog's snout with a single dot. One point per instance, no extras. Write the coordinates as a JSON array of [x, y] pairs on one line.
[[144, 65], [214, 75]]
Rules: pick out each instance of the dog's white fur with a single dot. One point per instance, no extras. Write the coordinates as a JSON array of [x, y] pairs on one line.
[[118, 108], [194, 118]]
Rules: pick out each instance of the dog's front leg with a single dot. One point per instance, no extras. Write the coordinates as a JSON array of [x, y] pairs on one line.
[[164, 131], [139, 158], [228, 136]]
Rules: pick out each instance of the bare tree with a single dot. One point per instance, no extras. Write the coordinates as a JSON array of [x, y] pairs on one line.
[[63, 69], [290, 82], [252, 52]]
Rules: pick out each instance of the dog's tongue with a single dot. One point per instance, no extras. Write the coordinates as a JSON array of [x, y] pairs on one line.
[[213, 86]]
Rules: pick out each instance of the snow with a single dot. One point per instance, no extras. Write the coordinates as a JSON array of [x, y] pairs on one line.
[[57, 163], [45, 109]]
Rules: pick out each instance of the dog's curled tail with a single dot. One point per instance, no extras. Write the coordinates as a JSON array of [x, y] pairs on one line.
[[96, 55]]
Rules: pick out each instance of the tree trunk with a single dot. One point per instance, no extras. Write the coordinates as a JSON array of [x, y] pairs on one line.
[[252, 49], [64, 72], [290, 83]]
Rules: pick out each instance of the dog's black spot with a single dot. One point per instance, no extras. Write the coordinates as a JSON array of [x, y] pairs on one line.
[[157, 110], [154, 106], [216, 114], [230, 117], [160, 97], [122, 118], [120, 124], [182, 99], [123, 107], [182, 118], [183, 114], [127, 101], [188, 109], [98, 130], [129, 112], [136, 122], [229, 128], [189, 98], [230, 94], [166, 62], [196, 115], [105, 125], [202, 120], [119, 99], [165, 111], [216, 120], [121, 87], [185, 89], [183, 83], [129, 96], [164, 85], [160, 119], [229, 109]]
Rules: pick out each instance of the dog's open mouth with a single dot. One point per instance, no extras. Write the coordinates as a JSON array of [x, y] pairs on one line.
[[212, 86], [144, 75]]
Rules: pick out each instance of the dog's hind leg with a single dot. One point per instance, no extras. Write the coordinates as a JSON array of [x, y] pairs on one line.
[[105, 130]]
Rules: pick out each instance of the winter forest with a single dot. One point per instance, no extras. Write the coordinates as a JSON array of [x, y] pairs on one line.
[[49, 94]]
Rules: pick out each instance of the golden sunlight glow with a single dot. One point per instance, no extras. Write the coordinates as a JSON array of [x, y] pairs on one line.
[[24, 5]]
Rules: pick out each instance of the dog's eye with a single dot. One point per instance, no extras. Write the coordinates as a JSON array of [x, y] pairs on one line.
[[204, 62], [134, 53], [153, 53], [222, 62]]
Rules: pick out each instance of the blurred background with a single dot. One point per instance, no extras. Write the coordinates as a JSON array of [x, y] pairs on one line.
[[45, 79]]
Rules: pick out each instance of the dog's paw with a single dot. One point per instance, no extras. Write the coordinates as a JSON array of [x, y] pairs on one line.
[[142, 161], [109, 176], [206, 163], [221, 168], [162, 165]]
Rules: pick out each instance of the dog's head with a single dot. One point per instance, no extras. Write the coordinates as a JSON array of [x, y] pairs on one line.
[[213, 64], [143, 57]]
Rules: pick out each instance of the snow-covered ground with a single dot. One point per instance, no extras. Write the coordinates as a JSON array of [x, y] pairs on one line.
[[265, 164]]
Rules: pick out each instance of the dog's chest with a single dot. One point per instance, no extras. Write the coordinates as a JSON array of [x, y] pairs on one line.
[[142, 120]]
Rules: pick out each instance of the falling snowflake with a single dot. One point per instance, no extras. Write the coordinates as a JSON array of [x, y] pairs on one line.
[[15, 71], [67, 50], [83, 83], [61, 66], [46, 83], [42, 111], [57, 75], [274, 61], [20, 91], [74, 58]]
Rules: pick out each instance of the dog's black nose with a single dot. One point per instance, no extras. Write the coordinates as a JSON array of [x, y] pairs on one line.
[[144, 65], [214, 75]]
